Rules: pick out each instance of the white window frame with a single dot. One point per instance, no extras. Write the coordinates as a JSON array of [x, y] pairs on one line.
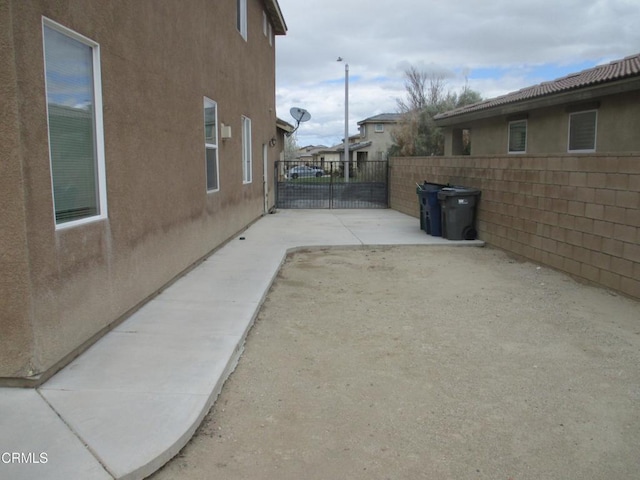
[[98, 125], [526, 136], [208, 103], [267, 29], [379, 128], [241, 18], [247, 160], [595, 132]]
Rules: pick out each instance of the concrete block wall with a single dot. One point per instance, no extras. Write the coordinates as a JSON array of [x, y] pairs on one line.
[[576, 213]]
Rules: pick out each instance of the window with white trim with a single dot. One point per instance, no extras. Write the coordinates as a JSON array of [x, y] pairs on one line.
[[211, 144], [246, 150], [241, 17], [267, 29], [582, 131], [518, 136], [379, 127], [74, 114]]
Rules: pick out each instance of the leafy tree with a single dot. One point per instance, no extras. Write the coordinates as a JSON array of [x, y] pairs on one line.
[[426, 96]]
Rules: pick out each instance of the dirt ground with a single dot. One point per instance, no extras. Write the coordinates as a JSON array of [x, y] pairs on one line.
[[427, 363]]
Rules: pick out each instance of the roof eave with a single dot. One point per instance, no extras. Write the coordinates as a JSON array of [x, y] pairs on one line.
[[362, 122], [276, 17], [570, 96], [284, 125]]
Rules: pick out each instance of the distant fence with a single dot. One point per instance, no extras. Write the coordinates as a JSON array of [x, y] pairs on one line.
[[323, 185], [576, 213]]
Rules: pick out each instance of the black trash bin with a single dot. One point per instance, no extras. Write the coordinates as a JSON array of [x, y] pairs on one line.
[[459, 212], [430, 210]]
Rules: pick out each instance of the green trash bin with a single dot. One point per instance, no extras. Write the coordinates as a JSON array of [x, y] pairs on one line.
[[459, 212]]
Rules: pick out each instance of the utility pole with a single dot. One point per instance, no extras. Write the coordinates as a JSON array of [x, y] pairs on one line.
[[346, 120]]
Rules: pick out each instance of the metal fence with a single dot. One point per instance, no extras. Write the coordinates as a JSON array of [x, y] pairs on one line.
[[323, 185]]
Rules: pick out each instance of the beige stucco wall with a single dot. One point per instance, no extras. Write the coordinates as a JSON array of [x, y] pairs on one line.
[[159, 58], [16, 339], [547, 129]]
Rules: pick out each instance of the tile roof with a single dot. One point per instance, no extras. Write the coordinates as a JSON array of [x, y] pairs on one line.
[[616, 70], [352, 146], [383, 117]]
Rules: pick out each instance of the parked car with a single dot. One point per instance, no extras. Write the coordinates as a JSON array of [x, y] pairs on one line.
[[305, 171]]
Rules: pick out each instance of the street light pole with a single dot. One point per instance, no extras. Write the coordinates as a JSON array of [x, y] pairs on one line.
[[346, 120]]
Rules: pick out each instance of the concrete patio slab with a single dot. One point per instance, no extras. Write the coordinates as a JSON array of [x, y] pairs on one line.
[[130, 432], [45, 446], [133, 400]]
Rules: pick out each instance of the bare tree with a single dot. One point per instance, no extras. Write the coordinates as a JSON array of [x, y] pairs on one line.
[[290, 147], [426, 96], [415, 84], [437, 93]]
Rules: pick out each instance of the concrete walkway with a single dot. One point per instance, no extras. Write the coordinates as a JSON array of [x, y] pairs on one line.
[[135, 398]]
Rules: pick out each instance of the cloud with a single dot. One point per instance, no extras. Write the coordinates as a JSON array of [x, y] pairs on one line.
[[496, 45]]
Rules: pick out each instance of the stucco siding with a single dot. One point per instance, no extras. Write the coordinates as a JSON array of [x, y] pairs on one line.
[[618, 123], [548, 128], [159, 59], [16, 340]]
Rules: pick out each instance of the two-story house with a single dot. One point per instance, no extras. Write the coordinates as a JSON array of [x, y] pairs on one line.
[[136, 137], [377, 133]]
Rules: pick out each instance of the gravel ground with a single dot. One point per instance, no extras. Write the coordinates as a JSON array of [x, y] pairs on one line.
[[427, 363]]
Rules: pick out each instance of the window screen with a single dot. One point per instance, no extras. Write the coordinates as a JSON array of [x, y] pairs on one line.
[[582, 131], [72, 112], [518, 136]]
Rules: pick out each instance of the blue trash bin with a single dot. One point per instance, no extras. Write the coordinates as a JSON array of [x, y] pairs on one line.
[[430, 208], [423, 204]]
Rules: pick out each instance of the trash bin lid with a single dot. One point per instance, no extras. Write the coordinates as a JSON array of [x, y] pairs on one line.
[[457, 192]]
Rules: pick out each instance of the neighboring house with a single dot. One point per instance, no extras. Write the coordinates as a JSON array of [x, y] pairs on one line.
[[310, 154], [377, 133], [357, 152], [596, 110], [370, 144], [136, 137]]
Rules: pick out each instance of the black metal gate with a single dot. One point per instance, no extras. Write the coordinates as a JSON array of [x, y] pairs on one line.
[[323, 185]]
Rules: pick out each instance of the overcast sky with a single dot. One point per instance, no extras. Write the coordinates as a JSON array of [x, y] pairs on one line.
[[499, 46]]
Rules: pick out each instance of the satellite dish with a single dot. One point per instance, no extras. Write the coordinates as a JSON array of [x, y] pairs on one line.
[[300, 114]]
